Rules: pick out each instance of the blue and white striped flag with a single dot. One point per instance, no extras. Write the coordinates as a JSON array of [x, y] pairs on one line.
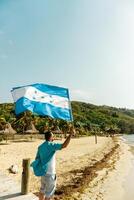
[[43, 100]]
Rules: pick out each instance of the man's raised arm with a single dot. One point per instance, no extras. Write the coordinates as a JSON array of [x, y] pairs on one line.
[[65, 144]]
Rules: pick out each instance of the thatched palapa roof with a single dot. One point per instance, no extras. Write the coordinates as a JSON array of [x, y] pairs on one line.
[[8, 130], [31, 129]]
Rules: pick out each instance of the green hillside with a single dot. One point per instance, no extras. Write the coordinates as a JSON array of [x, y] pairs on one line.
[[87, 119], [104, 117]]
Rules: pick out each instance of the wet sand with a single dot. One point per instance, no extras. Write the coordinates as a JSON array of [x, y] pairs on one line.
[[128, 183], [112, 183]]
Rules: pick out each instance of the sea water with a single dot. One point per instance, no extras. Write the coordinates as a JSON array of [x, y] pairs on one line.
[[128, 184], [129, 139]]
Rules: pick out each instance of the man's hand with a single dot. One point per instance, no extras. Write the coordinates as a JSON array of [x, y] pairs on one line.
[[72, 130]]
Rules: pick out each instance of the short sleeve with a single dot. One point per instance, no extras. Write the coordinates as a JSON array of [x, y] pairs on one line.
[[56, 146]]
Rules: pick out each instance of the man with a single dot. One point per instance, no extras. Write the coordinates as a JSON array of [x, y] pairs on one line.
[[44, 164]]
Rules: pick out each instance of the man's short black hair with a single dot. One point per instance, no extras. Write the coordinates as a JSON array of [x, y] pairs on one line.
[[48, 135]]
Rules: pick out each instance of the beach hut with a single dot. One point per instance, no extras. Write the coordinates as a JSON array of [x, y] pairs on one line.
[[31, 129], [56, 130], [8, 131]]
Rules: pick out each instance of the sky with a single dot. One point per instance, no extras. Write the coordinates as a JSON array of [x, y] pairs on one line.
[[84, 45]]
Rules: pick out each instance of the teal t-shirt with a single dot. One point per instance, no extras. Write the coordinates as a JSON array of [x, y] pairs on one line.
[[44, 154]]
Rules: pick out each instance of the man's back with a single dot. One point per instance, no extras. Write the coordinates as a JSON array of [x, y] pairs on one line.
[[47, 149], [44, 154]]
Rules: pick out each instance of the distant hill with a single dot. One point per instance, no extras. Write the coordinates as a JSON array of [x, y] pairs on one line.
[[87, 118], [104, 116]]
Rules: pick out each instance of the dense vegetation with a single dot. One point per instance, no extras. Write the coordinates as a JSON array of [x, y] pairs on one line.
[[88, 118]]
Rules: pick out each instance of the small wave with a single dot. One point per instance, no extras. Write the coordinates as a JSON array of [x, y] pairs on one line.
[[123, 139]]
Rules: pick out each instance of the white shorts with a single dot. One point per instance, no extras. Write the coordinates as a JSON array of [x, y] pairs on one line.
[[48, 185]]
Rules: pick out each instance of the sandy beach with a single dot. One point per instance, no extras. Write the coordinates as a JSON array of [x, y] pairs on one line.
[[109, 184], [85, 170]]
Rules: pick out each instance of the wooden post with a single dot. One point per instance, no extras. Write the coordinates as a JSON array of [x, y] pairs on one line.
[[95, 138], [25, 176]]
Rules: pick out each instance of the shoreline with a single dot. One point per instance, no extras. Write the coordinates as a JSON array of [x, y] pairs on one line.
[[108, 185], [85, 171], [86, 176]]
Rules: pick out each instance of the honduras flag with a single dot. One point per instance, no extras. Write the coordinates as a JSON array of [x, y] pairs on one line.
[[42, 99]]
